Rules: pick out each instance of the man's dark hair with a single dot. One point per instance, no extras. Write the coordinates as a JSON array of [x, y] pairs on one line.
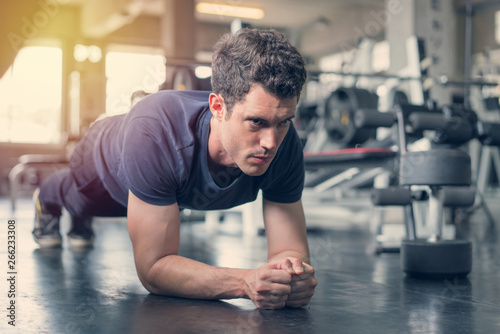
[[252, 56]]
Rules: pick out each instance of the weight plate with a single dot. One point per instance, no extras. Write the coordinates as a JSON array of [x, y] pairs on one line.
[[440, 259], [340, 108], [438, 167]]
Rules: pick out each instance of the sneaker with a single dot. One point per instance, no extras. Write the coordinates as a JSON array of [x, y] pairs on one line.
[[81, 234], [46, 229]]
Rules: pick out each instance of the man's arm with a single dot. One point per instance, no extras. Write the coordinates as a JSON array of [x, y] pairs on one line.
[[154, 231], [286, 230], [287, 239]]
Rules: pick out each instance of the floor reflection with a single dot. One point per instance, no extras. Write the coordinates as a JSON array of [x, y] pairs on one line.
[[436, 306], [156, 314], [68, 286]]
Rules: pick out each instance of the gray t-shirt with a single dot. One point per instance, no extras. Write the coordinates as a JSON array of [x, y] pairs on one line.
[[159, 151]]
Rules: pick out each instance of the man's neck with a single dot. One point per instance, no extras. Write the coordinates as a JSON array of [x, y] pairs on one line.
[[221, 174]]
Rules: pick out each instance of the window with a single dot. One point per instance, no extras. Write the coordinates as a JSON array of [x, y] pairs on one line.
[[127, 72], [30, 97]]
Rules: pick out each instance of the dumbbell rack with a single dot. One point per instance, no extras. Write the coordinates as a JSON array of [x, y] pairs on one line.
[[435, 170]]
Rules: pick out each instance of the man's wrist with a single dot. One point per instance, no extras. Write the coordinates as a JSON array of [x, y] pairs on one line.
[[238, 276]]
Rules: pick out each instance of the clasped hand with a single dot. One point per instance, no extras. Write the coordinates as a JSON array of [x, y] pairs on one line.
[[287, 282]]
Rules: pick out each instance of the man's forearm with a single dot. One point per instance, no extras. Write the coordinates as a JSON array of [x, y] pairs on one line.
[[178, 276]]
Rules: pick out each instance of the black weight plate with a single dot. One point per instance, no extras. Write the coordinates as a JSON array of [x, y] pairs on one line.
[[439, 167], [440, 259], [340, 107]]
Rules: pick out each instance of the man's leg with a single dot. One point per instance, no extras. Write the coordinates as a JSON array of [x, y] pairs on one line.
[[46, 231], [60, 190], [80, 191]]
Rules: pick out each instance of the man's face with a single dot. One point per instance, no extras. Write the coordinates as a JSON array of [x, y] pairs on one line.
[[252, 133]]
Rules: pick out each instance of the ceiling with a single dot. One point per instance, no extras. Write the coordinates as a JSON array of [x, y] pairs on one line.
[[286, 14], [316, 25], [100, 18], [294, 13]]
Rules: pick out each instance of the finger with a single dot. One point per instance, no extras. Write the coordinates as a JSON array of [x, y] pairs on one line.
[[275, 275], [305, 285], [287, 266], [297, 264], [273, 282], [297, 303], [308, 268], [271, 300], [299, 299], [303, 294], [302, 289], [277, 289], [301, 277], [308, 272], [283, 264], [265, 305], [280, 276], [299, 286], [277, 296]]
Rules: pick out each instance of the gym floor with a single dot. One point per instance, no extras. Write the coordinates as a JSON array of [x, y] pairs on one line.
[[97, 290]]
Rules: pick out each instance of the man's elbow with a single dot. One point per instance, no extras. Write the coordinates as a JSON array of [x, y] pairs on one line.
[[149, 279], [148, 285]]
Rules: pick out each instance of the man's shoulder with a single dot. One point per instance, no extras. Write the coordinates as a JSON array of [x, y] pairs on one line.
[[184, 96], [176, 117], [171, 105]]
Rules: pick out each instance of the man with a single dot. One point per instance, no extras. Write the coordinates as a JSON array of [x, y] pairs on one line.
[[199, 150]]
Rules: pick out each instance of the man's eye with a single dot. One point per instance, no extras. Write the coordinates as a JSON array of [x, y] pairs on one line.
[[256, 121], [284, 123]]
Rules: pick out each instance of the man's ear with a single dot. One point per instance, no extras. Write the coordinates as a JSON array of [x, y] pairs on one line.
[[216, 103]]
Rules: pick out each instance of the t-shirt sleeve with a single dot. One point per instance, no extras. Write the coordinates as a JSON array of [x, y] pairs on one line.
[[150, 164], [285, 180]]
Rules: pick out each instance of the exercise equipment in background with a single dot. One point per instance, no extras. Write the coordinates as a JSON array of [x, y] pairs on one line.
[[186, 75], [443, 173]]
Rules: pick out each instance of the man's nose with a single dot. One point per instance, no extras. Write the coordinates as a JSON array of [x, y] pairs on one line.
[[269, 138]]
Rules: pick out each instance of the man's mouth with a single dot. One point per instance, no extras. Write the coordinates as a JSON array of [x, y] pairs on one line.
[[262, 159]]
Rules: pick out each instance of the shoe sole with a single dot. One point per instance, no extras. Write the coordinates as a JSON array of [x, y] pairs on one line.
[[80, 243], [48, 243]]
